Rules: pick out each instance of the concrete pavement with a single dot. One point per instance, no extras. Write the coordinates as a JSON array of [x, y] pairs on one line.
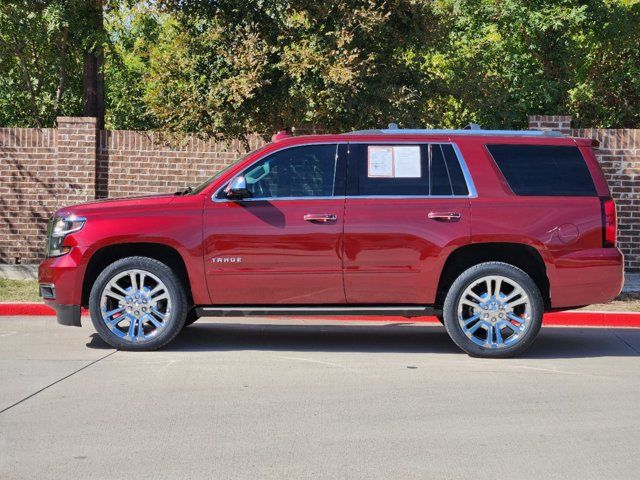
[[316, 401]]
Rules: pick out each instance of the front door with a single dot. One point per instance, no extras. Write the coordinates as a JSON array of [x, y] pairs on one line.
[[284, 244], [407, 208]]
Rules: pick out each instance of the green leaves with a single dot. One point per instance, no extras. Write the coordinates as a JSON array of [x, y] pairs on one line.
[[234, 67]]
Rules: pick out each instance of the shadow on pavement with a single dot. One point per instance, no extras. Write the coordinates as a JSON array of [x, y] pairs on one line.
[[551, 343]]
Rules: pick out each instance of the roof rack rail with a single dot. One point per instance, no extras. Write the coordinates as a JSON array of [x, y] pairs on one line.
[[470, 131]]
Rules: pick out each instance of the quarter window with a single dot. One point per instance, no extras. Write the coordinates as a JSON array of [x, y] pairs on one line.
[[304, 171], [544, 170]]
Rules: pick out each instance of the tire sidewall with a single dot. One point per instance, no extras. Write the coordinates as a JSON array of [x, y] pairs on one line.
[[469, 276], [175, 290]]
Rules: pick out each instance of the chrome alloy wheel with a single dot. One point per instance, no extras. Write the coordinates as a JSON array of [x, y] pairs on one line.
[[494, 312], [135, 305]]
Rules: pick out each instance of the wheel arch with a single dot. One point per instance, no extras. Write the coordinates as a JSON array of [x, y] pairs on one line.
[[520, 255], [106, 255]]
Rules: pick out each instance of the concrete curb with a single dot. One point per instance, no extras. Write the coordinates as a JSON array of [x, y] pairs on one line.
[[573, 318]]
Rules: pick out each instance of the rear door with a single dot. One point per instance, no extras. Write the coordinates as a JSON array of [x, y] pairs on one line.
[[407, 208], [283, 245]]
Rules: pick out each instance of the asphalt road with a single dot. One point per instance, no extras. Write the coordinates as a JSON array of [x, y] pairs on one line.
[[315, 401]]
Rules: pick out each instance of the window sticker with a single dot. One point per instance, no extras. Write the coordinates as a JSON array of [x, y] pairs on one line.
[[380, 161], [393, 161], [406, 162]]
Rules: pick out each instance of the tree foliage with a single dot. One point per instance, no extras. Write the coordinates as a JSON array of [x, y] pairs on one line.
[[504, 59], [235, 66], [37, 60], [261, 66]]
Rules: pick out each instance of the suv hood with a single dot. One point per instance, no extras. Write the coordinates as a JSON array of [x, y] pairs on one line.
[[117, 204]]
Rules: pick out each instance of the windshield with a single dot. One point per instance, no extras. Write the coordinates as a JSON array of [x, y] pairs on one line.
[[210, 180]]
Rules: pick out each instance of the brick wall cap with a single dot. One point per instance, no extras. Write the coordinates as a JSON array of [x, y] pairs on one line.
[[92, 120]]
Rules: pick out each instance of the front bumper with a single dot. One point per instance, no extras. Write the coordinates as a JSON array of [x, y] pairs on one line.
[[67, 314], [60, 280]]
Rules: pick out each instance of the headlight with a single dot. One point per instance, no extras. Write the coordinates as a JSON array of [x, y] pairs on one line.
[[58, 229]]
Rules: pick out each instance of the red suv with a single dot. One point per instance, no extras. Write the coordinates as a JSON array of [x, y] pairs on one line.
[[485, 229]]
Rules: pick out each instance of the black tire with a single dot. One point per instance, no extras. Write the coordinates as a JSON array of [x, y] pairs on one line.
[[175, 291], [469, 277]]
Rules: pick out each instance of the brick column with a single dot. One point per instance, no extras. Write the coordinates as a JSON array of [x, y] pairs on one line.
[[560, 123], [77, 139]]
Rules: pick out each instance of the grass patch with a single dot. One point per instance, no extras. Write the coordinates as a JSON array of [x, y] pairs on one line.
[[626, 302], [19, 291]]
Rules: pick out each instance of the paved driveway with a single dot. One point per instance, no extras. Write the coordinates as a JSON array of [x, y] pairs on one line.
[[316, 401]]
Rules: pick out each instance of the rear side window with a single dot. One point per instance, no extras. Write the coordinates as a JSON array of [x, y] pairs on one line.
[[445, 173], [408, 170], [543, 170]]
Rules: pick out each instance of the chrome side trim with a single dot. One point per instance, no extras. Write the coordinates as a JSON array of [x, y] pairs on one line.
[[243, 311]]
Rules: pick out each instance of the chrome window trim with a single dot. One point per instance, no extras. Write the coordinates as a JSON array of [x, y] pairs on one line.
[[471, 188], [274, 199], [461, 161], [264, 199]]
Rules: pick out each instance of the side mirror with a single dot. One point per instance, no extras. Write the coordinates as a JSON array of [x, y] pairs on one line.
[[237, 189]]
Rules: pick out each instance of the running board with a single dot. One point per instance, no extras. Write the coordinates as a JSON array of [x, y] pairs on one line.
[[328, 310]]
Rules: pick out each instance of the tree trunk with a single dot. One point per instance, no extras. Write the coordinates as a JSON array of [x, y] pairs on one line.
[[62, 83], [93, 77]]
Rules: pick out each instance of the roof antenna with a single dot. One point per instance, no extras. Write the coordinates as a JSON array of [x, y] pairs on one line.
[[472, 126], [393, 126]]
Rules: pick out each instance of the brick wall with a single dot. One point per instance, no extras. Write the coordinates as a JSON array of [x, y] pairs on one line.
[[619, 157], [134, 163], [43, 169], [561, 123], [28, 189]]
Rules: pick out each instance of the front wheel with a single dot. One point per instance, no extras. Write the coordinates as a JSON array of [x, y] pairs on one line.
[[493, 309], [138, 303]]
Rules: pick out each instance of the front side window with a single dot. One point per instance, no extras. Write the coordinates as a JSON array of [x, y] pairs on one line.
[[304, 171], [409, 170]]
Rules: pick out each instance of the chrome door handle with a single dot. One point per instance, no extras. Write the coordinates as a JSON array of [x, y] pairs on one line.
[[444, 216], [320, 217]]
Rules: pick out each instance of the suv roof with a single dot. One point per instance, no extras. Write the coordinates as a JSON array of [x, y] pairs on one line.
[[471, 132]]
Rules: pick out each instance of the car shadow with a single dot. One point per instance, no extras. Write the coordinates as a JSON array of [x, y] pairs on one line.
[[552, 342]]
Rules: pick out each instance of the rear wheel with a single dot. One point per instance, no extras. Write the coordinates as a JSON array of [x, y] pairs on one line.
[[138, 303], [493, 310]]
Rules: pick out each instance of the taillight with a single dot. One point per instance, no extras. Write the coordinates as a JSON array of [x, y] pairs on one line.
[[609, 222]]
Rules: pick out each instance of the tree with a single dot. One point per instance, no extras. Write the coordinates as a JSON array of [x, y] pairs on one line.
[[134, 32], [38, 57], [233, 67], [45, 45], [93, 75], [502, 60]]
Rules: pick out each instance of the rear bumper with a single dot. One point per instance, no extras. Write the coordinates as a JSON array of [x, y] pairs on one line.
[[586, 277]]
